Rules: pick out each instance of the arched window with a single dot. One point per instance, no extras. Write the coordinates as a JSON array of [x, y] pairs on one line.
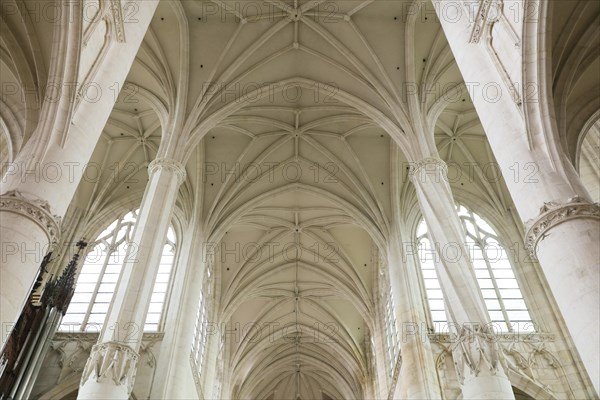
[[100, 273], [201, 331], [503, 298], [391, 330]]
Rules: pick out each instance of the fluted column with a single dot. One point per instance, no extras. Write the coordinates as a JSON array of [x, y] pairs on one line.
[[28, 228], [110, 369], [476, 354]]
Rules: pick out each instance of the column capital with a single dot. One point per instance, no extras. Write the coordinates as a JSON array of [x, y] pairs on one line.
[[555, 213], [170, 165], [112, 363], [36, 210], [428, 165]]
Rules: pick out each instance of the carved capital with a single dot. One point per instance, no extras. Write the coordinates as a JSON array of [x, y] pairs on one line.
[[429, 165], [476, 350], [113, 363], [170, 165], [553, 214], [36, 210]]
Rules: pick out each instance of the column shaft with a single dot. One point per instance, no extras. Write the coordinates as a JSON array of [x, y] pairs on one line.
[[537, 173], [476, 354], [48, 186], [27, 229], [177, 381], [417, 378], [112, 363]]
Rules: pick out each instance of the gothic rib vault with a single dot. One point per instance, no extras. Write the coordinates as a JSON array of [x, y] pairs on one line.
[[297, 123], [308, 165]]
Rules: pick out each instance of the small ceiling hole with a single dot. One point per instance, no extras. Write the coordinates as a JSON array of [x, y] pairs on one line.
[[201, 65], [162, 19]]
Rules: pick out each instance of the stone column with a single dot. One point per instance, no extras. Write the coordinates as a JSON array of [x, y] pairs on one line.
[[31, 195], [110, 369], [562, 224], [565, 239], [477, 357], [417, 379], [28, 229], [177, 380]]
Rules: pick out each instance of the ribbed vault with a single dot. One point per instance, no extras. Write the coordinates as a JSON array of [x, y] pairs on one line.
[[295, 120]]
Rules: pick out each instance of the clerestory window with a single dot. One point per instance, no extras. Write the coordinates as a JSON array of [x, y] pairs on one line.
[[100, 273], [499, 287]]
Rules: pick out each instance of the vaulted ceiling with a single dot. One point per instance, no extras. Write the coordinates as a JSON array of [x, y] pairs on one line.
[[294, 182], [291, 117]]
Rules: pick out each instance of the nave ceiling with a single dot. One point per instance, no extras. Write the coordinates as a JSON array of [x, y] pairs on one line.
[[314, 163], [300, 183]]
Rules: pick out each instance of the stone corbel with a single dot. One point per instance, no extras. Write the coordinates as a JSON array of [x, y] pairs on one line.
[[111, 362], [553, 214], [36, 210]]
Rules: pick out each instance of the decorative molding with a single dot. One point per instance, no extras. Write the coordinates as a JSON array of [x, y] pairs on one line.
[[36, 210], [170, 165], [117, 20], [501, 337], [480, 21], [476, 349], [196, 376], [111, 362], [553, 214], [428, 165]]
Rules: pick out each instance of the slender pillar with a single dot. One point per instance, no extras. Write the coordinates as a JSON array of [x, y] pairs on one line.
[[562, 223], [110, 369], [477, 357]]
